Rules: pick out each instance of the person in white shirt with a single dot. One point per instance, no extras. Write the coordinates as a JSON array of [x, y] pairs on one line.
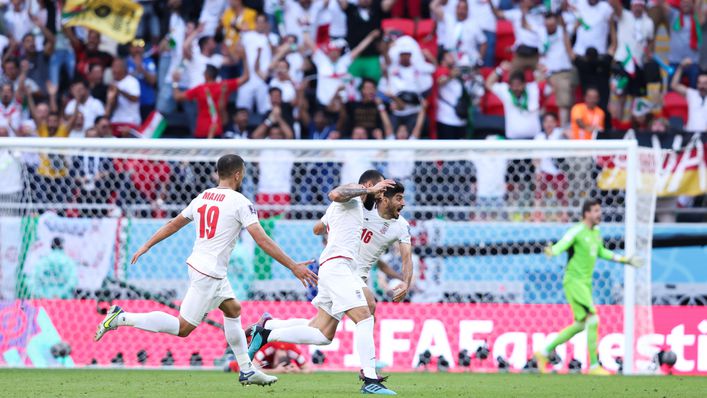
[[634, 46], [556, 59], [89, 107], [341, 289], [17, 20], [593, 19], [219, 214], [401, 162], [258, 57], [171, 50], [521, 102], [123, 102], [275, 179], [551, 184], [211, 13], [696, 98], [482, 16], [281, 79], [302, 16], [462, 35], [10, 108], [527, 23], [198, 55]]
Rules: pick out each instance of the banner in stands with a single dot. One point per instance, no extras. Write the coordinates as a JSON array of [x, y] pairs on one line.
[[403, 332], [115, 18]]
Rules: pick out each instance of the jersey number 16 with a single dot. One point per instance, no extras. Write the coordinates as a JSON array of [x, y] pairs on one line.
[[208, 218], [366, 235]]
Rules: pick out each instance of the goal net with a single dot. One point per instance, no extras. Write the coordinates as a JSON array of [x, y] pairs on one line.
[[74, 211]]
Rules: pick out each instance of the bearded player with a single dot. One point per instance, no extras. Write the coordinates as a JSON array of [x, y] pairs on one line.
[[383, 226], [219, 214], [584, 244], [341, 290]]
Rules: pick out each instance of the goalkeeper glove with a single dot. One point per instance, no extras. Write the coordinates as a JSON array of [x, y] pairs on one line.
[[548, 250], [633, 261]]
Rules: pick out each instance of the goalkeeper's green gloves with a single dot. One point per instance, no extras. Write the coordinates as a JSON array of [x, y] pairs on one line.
[[633, 261], [548, 250]]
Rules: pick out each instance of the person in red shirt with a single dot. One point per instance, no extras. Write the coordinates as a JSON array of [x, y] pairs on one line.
[[278, 357], [211, 98], [88, 54]]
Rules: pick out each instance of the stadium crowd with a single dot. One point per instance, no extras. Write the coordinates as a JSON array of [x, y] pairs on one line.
[[341, 69]]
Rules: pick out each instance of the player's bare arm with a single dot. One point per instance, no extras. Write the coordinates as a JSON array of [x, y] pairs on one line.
[[300, 270], [401, 290], [388, 271], [344, 193], [163, 233], [319, 228]]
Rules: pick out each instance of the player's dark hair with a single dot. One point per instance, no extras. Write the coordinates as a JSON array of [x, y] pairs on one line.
[[517, 75], [588, 204], [228, 165], [370, 176], [394, 190]]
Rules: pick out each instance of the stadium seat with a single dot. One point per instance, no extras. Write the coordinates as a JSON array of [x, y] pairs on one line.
[[504, 41], [425, 35], [491, 105], [674, 105], [406, 26]]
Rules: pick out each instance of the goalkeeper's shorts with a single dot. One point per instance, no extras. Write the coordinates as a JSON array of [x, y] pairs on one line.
[[579, 297]]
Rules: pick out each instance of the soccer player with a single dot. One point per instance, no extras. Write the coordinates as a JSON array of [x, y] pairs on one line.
[[219, 214], [584, 243], [340, 288]]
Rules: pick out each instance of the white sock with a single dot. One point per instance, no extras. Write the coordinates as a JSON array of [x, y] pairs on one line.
[[156, 321], [299, 335], [236, 339], [366, 347], [285, 323]]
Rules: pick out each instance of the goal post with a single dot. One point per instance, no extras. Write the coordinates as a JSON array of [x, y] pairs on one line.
[[480, 212]]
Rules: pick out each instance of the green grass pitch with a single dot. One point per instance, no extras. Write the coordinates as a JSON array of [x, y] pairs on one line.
[[170, 384]]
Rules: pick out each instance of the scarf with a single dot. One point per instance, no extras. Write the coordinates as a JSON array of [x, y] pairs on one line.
[[520, 102], [695, 32]]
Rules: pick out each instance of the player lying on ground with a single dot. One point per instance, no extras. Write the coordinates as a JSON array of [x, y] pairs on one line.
[[340, 287], [383, 226], [585, 244], [219, 214]]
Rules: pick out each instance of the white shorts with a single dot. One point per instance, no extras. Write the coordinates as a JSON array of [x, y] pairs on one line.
[[340, 289], [204, 294]]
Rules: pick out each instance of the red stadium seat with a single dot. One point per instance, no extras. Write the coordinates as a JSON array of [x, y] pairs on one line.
[[425, 35], [550, 104], [674, 105], [504, 41], [406, 26], [491, 105]]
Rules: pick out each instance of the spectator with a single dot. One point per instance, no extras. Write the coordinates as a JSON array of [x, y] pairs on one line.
[[238, 128], [88, 54], [332, 67], [123, 99], [557, 62], [451, 121], [259, 55], [275, 166], [481, 13], [355, 162], [171, 52], [210, 99], [89, 107], [550, 182], [527, 25], [587, 117], [696, 98], [149, 23], [401, 162], [368, 112], [279, 357], [595, 71], [684, 35], [144, 70], [634, 47], [302, 17], [15, 73], [362, 20], [408, 81], [18, 22], [593, 19], [280, 114], [94, 176], [319, 128], [462, 34], [62, 58], [211, 13], [38, 61], [103, 127], [54, 168], [236, 19], [521, 102], [281, 80], [198, 57], [10, 108], [96, 86]]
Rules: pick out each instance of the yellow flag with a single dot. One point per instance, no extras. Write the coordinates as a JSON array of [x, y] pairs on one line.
[[115, 18]]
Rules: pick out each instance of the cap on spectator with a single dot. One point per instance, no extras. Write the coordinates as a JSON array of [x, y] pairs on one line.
[[337, 44]]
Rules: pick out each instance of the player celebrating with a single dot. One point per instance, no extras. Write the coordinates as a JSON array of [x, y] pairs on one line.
[[340, 288], [585, 244], [219, 213], [382, 226]]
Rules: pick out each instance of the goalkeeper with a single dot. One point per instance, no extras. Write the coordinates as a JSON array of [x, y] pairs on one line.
[[584, 244]]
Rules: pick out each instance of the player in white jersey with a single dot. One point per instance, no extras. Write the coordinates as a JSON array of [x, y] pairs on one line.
[[219, 214], [382, 226]]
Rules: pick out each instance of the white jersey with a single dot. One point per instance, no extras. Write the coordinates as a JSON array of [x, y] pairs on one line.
[[376, 237], [218, 214], [344, 224]]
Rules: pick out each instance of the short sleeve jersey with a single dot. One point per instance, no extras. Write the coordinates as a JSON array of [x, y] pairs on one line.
[[344, 223], [584, 246], [219, 215]]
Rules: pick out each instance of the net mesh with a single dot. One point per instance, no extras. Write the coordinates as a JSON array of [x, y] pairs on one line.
[[480, 218]]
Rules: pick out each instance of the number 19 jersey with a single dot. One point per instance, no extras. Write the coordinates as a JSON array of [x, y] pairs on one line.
[[219, 214]]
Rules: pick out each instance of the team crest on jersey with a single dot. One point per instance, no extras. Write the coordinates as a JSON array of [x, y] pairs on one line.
[[359, 295], [385, 228]]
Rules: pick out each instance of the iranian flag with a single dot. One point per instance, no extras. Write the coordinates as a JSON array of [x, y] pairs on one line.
[[153, 127]]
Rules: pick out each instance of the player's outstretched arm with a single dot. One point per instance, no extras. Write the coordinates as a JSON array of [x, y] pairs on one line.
[[607, 254], [402, 290], [344, 193], [300, 270], [565, 243], [163, 233]]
